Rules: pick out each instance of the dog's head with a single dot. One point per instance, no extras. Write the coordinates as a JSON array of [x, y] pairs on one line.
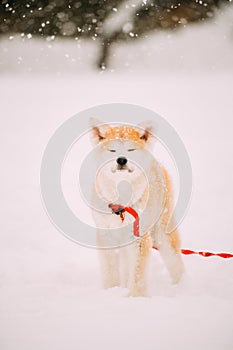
[[119, 144]]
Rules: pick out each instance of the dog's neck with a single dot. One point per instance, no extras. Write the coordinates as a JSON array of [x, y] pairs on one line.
[[123, 192]]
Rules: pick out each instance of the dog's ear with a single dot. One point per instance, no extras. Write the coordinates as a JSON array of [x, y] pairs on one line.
[[147, 131], [98, 130]]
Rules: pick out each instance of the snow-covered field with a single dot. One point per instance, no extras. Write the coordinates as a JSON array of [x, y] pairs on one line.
[[50, 292]]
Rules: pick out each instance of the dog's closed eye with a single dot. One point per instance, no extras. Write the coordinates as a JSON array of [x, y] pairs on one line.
[[131, 149], [112, 150]]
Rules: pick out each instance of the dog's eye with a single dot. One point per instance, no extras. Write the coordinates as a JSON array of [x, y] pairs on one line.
[[112, 150], [131, 149]]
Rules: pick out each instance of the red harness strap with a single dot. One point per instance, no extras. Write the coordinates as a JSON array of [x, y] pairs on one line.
[[120, 210]]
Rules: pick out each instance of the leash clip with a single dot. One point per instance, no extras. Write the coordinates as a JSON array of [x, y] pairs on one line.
[[118, 210]]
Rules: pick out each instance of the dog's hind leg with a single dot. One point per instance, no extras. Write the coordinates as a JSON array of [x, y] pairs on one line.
[[169, 248], [169, 243]]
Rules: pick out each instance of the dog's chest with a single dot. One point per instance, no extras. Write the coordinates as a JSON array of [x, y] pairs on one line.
[[112, 190]]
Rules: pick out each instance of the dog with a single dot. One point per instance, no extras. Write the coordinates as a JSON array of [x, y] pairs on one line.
[[147, 189]]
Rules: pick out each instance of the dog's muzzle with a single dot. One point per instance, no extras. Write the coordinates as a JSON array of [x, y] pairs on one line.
[[121, 168]]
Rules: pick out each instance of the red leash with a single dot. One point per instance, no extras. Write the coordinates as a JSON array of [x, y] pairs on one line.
[[120, 210], [204, 254]]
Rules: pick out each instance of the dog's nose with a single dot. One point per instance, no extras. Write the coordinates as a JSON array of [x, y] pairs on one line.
[[121, 161]]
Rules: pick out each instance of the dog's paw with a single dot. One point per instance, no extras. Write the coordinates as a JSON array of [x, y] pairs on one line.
[[177, 274], [125, 284], [137, 293], [111, 284], [138, 290]]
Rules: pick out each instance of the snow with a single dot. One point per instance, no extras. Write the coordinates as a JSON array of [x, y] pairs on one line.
[[51, 295]]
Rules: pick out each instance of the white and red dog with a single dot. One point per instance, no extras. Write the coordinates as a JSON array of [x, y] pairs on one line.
[[151, 195]]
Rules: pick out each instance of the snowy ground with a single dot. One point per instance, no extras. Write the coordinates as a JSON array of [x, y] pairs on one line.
[[50, 287]]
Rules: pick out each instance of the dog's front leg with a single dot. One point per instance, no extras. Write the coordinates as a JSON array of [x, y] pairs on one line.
[[138, 283], [109, 261], [110, 269]]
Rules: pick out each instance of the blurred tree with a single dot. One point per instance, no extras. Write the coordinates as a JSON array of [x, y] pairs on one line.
[[56, 17], [86, 18]]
